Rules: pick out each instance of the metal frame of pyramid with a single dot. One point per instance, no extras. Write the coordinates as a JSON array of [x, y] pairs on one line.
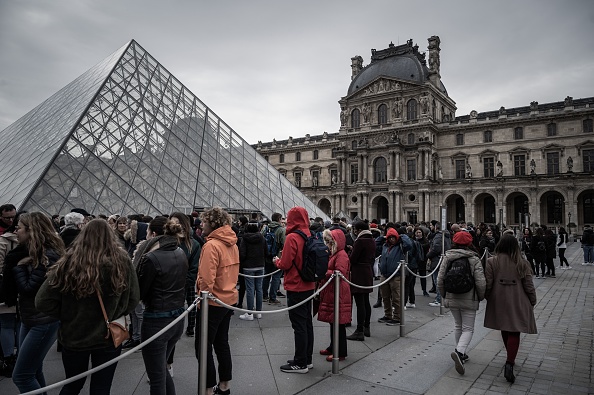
[[128, 137]]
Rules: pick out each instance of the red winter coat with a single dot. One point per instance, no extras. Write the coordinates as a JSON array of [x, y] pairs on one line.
[[338, 261]]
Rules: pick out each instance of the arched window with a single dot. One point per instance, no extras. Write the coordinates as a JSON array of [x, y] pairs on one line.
[[382, 114], [411, 138], [354, 144], [380, 168], [281, 158], [356, 118], [488, 136], [411, 110]]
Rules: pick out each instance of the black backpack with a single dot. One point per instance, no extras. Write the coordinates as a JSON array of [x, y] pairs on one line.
[[315, 258], [542, 246], [271, 244], [458, 278]]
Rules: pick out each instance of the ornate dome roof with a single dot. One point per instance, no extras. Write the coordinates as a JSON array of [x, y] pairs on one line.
[[403, 62]]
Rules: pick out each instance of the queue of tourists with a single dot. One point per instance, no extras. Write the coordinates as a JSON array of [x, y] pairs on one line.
[[64, 278]]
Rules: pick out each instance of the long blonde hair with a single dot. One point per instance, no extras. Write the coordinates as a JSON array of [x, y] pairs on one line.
[[42, 236], [79, 270]]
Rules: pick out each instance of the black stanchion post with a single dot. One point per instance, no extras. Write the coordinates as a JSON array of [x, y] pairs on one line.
[[335, 335], [203, 343], [402, 291]]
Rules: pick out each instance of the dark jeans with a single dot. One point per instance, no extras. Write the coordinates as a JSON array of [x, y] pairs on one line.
[[218, 338], [272, 282], [34, 344], [342, 341], [190, 297], [550, 266], [241, 290], [155, 354], [301, 321], [409, 287], [423, 272], [363, 310], [76, 362], [539, 264], [562, 257]]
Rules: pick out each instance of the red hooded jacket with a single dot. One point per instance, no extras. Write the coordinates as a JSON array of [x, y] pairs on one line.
[[292, 254]]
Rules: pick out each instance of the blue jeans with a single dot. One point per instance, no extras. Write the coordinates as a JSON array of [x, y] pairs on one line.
[[76, 362], [155, 354], [437, 296], [136, 319], [34, 343], [250, 283], [8, 323], [588, 254], [273, 282], [301, 321]]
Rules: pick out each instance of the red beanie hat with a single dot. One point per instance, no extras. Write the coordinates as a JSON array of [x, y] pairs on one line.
[[392, 232], [462, 238]]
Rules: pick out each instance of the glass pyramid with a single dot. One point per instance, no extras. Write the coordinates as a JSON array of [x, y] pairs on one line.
[[127, 137]]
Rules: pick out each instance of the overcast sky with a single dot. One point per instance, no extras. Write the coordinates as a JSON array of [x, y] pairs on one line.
[[274, 69]]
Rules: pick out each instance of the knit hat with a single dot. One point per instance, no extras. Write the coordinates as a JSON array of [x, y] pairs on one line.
[[373, 225], [392, 232], [462, 238]]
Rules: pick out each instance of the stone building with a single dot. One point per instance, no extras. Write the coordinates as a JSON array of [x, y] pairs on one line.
[[401, 152]]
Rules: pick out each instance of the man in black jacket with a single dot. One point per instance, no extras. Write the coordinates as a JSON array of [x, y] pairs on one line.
[[588, 245]]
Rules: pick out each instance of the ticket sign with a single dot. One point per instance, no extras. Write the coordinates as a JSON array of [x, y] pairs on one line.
[[443, 211]]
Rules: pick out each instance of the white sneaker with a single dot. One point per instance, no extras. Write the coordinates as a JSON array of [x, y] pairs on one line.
[[247, 317], [258, 315], [584, 263], [411, 305], [569, 267], [170, 370], [435, 304], [405, 307]]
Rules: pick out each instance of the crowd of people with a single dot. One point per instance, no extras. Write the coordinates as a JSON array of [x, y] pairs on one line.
[[56, 270]]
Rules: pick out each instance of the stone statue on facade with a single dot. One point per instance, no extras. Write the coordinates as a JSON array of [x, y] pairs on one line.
[[568, 101], [315, 182], [397, 108], [468, 171], [569, 164], [532, 167], [424, 104], [502, 110], [343, 117], [439, 173], [499, 169], [366, 113], [333, 180]]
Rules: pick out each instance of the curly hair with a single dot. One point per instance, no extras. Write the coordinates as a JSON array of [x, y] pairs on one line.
[[216, 217], [79, 271], [42, 236]]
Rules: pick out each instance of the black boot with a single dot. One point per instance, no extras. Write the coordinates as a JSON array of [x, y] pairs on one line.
[[378, 303], [366, 331], [509, 372], [356, 336], [7, 366]]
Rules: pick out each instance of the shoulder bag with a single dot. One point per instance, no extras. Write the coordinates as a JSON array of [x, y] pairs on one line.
[[116, 329]]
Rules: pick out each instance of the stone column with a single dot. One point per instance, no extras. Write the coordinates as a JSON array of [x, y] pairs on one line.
[[365, 205], [427, 164], [339, 170], [397, 165], [345, 173], [398, 209], [390, 165], [391, 205], [427, 213], [365, 168]]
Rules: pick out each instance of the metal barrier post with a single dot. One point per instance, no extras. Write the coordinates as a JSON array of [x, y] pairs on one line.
[[203, 343], [335, 335], [402, 295], [486, 255]]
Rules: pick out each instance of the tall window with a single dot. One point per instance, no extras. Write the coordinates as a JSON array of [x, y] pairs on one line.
[[382, 114], [460, 168], [460, 139], [281, 158], [588, 208], [587, 125], [433, 111], [315, 178], [411, 110], [489, 166], [554, 208], [488, 136], [410, 138], [333, 154], [411, 169], [297, 156], [519, 133], [333, 176], [552, 163], [354, 173], [380, 170], [588, 155], [354, 144], [356, 118], [519, 165], [316, 154], [298, 179], [551, 129]]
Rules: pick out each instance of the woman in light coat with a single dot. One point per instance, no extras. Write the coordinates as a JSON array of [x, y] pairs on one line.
[[463, 306], [511, 298]]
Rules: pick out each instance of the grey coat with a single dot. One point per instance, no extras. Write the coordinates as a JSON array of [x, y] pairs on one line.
[[510, 300], [469, 300]]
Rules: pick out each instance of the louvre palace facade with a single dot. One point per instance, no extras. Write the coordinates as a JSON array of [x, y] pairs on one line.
[[401, 152]]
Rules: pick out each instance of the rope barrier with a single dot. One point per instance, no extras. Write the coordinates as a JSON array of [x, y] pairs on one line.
[[260, 275], [218, 301], [373, 286], [117, 359]]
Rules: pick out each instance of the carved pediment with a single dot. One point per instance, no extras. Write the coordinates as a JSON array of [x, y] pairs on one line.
[[553, 147], [298, 169], [519, 151], [585, 145], [487, 154], [382, 85], [459, 155]]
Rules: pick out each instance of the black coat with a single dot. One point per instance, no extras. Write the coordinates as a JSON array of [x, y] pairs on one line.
[[362, 258], [252, 251]]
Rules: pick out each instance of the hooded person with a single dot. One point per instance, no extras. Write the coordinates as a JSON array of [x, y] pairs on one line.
[[339, 260], [298, 290]]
